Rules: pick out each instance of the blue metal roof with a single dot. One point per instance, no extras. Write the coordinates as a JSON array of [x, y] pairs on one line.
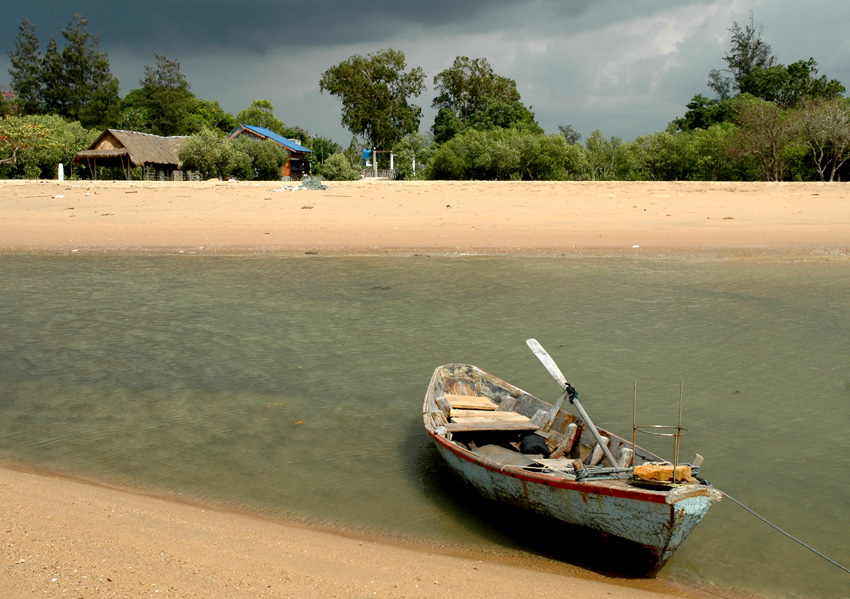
[[263, 132]]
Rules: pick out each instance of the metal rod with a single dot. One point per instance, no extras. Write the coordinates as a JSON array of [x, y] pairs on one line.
[[594, 432], [634, 427], [678, 430]]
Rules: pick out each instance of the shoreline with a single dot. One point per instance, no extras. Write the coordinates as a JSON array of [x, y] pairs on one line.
[[66, 533]]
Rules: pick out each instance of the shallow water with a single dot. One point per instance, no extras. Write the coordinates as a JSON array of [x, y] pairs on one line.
[[293, 386]]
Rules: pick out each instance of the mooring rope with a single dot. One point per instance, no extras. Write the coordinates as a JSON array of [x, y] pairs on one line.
[[772, 525]]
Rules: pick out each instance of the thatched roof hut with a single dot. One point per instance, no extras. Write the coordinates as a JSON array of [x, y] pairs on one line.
[[130, 149]]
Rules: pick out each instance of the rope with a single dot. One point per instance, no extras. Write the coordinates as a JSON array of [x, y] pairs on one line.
[[772, 525]]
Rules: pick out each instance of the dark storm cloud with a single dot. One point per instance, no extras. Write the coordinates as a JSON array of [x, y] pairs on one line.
[[256, 26]]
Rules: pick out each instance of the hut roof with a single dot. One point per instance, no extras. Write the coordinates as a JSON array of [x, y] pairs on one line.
[[131, 146], [269, 134]]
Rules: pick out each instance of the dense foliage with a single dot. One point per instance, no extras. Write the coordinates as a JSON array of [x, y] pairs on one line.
[[32, 146], [471, 96], [243, 158]]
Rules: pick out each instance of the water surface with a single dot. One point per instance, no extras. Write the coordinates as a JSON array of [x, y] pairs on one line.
[[293, 386]]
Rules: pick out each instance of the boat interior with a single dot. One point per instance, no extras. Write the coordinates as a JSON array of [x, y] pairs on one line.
[[505, 425]]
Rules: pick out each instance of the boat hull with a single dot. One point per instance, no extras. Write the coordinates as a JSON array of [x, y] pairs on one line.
[[655, 527]]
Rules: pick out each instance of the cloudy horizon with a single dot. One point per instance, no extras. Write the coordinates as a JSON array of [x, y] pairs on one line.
[[626, 68]]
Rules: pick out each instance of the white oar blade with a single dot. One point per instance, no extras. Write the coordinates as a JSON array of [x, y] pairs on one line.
[[547, 361]]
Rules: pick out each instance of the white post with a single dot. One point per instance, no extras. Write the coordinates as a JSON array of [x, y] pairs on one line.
[[414, 165], [391, 161], [375, 162], [61, 172]]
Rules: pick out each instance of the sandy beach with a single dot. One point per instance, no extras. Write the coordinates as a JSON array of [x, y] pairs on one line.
[[70, 538], [792, 221]]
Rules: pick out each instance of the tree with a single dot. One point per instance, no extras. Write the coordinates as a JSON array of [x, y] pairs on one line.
[[767, 133], [26, 69], [36, 144], [267, 157], [507, 154], [134, 112], [471, 95], [208, 113], [165, 98], [323, 148], [77, 83], [825, 125], [214, 157], [20, 133], [788, 86], [570, 134], [261, 114], [413, 149], [464, 87], [5, 106], [375, 92], [713, 156], [338, 168], [605, 157], [747, 52], [663, 156]]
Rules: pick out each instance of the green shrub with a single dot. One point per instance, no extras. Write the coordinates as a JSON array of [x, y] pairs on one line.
[[338, 168], [208, 153]]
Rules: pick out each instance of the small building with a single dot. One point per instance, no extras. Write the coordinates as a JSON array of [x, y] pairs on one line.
[[298, 162], [156, 155]]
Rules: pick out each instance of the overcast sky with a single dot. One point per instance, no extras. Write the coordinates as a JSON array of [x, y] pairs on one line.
[[625, 67]]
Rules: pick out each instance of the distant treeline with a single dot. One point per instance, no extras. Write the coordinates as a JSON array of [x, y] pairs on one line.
[[766, 121]]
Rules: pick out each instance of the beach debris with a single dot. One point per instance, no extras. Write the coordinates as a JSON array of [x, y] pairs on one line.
[[306, 183]]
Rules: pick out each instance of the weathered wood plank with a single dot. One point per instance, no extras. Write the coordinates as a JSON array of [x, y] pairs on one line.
[[508, 404], [492, 425], [470, 402], [461, 413], [444, 406], [460, 386], [567, 441], [599, 453]]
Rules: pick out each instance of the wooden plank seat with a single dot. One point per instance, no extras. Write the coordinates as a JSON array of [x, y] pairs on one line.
[[476, 413], [474, 420], [504, 416], [486, 424], [470, 402]]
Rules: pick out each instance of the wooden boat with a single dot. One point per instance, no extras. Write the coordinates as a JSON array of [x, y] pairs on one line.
[[480, 423]]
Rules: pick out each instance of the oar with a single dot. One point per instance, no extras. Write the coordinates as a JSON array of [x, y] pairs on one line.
[[556, 373]]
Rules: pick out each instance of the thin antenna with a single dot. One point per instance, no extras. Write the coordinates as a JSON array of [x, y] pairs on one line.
[[634, 427], [678, 430]]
